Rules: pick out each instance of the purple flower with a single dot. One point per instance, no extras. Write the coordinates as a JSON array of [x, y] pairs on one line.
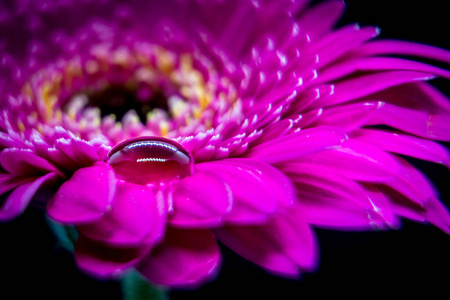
[[155, 138]]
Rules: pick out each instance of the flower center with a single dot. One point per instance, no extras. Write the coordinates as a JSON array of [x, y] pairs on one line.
[[150, 160], [117, 100], [138, 90]]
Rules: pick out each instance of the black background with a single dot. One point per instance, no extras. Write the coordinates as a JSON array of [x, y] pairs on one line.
[[403, 262]]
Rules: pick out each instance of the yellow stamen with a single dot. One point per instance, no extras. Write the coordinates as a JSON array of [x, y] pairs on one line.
[[164, 128], [20, 125]]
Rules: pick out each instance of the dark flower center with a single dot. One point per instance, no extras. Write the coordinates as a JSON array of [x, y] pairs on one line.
[[118, 100]]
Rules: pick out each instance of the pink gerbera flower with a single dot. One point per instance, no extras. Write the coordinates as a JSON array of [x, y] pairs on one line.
[[157, 138]]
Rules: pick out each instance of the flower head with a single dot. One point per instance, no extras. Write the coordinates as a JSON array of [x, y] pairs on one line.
[[161, 127]]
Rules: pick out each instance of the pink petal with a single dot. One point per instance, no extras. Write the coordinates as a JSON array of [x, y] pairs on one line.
[[200, 200], [411, 183], [419, 96], [283, 246], [437, 214], [186, 258], [20, 197], [421, 123], [297, 145], [275, 130], [348, 67], [381, 205], [432, 210], [9, 182], [77, 150], [428, 93], [334, 45], [348, 117], [364, 85], [22, 162], [137, 216], [389, 47], [85, 197], [329, 199], [104, 261], [403, 206], [320, 18], [356, 160], [257, 189], [307, 97], [404, 144]]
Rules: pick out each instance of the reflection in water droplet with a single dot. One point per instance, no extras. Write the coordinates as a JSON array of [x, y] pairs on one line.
[[151, 160]]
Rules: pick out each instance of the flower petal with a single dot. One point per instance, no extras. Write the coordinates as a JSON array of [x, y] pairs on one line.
[[320, 18], [21, 196], [424, 124], [137, 216], [274, 131], [329, 199], [293, 146], [334, 45], [364, 85], [432, 210], [185, 258], [283, 246], [9, 182], [356, 160], [22, 162], [390, 47], [404, 144], [85, 197], [347, 67], [258, 189], [200, 200], [105, 261], [348, 117], [437, 214], [411, 183]]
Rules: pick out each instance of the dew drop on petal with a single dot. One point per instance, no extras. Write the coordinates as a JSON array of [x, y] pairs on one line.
[[150, 160]]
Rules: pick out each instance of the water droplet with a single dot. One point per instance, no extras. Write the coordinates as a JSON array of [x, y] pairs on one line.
[[150, 160]]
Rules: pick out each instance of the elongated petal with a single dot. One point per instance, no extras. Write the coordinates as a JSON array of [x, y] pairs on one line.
[[275, 130], [257, 189], [186, 258], [437, 214], [331, 200], [85, 197], [105, 261], [321, 18], [200, 200], [341, 70], [392, 47], [285, 245], [78, 151], [411, 183], [421, 123], [337, 44], [19, 198], [419, 96], [9, 182], [356, 160], [405, 145], [348, 117], [368, 84], [137, 216], [431, 210], [298, 144], [25, 163]]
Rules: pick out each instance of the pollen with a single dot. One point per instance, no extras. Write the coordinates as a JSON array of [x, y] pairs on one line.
[[166, 91]]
